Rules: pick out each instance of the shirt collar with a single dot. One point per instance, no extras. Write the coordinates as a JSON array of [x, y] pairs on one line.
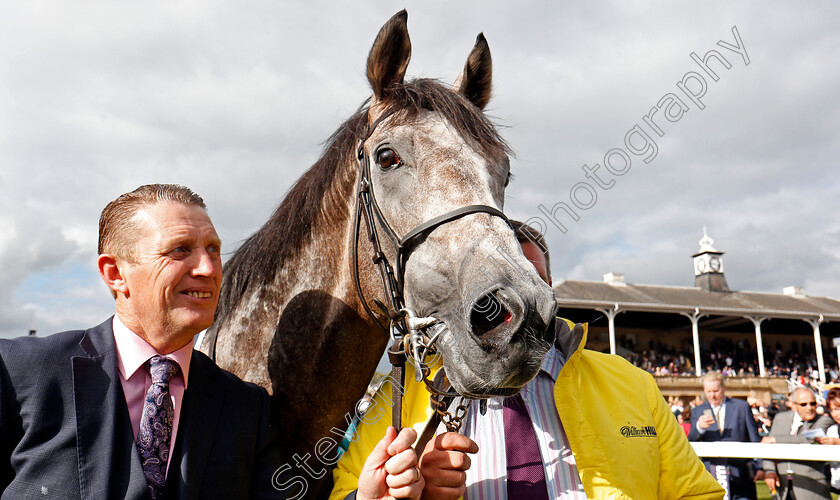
[[133, 352], [552, 363]]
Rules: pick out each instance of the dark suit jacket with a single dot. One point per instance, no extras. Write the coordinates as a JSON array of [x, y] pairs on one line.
[[809, 479], [65, 430], [738, 425]]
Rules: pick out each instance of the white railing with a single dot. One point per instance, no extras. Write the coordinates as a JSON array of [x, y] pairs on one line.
[[726, 449]]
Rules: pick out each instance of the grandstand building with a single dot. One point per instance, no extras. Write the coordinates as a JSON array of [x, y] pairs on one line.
[[758, 335]]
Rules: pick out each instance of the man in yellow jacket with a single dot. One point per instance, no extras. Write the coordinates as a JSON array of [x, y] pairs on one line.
[[613, 435]]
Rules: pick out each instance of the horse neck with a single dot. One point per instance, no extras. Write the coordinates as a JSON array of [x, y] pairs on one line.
[[318, 271]]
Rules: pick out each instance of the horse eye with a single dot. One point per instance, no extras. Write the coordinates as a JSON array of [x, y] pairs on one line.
[[387, 158]]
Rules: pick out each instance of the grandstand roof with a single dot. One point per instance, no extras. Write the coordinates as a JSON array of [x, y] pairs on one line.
[[672, 299]]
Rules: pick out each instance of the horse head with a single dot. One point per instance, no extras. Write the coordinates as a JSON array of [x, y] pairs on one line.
[[431, 151]]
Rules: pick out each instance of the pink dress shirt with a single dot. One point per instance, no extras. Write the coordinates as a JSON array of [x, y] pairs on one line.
[[132, 354]]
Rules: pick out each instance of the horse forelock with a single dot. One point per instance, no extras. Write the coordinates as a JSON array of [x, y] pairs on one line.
[[322, 194], [407, 100]]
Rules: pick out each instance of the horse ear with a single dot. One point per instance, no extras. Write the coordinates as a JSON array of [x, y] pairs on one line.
[[475, 81], [389, 56]]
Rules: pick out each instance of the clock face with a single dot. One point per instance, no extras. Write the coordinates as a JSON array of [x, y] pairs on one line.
[[701, 265], [715, 263]]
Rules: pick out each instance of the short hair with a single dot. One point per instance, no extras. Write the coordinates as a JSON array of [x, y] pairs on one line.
[[118, 232], [526, 233], [833, 395], [804, 389], [713, 376]]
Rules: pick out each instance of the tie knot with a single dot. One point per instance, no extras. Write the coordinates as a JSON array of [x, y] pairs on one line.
[[162, 369], [515, 403]]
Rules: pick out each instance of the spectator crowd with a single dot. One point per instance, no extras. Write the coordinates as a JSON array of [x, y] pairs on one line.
[[733, 359]]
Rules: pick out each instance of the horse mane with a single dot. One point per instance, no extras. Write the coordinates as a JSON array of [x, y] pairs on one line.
[[321, 193]]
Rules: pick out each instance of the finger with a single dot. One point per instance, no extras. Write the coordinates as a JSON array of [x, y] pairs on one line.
[[447, 478], [380, 455], [455, 441], [414, 490], [444, 492], [444, 459], [403, 461], [404, 478], [405, 439]]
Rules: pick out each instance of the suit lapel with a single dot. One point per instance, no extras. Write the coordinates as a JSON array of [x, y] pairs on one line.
[[108, 462], [199, 417]]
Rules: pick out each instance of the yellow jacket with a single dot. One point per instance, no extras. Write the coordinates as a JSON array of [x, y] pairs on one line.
[[625, 440]]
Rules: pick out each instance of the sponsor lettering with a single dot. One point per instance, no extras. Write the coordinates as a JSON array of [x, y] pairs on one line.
[[629, 431]]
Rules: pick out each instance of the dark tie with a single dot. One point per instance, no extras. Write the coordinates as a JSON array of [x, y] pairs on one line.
[[156, 424], [525, 471]]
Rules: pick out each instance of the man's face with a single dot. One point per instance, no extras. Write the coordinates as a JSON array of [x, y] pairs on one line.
[[537, 257], [807, 412], [173, 283], [714, 391]]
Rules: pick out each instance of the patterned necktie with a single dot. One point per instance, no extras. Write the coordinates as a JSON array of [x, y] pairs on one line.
[[153, 438], [525, 471]]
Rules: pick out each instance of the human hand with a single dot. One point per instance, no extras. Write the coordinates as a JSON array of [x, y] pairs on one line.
[[768, 439], [772, 480], [705, 421], [828, 440], [391, 470], [759, 475], [444, 464]]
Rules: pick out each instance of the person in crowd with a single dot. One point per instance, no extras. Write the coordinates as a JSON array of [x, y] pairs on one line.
[[763, 421], [684, 420], [127, 409], [832, 435], [725, 419], [809, 481], [579, 428]]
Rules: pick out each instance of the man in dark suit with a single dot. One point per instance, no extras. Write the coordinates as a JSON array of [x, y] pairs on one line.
[[726, 419], [809, 480], [128, 409]]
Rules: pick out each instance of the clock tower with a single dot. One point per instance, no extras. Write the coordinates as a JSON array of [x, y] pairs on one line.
[[708, 266]]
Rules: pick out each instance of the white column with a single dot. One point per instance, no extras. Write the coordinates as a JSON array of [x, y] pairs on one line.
[[695, 332], [836, 343], [815, 324], [759, 343], [611, 314]]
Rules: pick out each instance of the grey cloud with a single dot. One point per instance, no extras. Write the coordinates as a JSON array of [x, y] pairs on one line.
[[237, 102]]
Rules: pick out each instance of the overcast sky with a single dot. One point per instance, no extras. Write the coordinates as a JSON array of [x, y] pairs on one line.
[[235, 99]]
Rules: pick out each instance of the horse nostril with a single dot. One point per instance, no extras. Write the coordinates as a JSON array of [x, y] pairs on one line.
[[488, 313]]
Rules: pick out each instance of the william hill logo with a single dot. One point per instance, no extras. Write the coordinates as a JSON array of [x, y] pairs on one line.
[[630, 431]]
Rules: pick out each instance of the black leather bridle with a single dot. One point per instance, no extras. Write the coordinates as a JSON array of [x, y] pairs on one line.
[[393, 279]]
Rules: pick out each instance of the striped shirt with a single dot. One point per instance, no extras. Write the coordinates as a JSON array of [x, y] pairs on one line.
[[486, 478]]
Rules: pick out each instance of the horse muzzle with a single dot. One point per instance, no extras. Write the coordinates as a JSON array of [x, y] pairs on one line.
[[498, 344]]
